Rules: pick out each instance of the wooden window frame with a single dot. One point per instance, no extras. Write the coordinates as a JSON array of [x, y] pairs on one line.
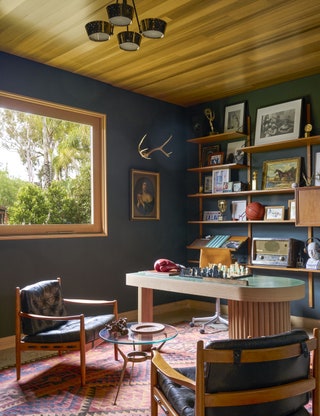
[[98, 227]]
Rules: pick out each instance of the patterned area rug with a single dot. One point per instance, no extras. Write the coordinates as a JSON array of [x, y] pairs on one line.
[[51, 387]]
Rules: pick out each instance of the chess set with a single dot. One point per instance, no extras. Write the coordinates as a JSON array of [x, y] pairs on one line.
[[216, 271]]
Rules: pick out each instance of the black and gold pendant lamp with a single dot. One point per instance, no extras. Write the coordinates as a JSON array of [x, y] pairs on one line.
[[122, 14]]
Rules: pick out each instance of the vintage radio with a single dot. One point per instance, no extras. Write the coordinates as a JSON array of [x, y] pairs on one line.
[[275, 251]]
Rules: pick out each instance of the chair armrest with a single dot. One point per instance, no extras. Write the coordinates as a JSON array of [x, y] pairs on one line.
[[90, 302], [51, 318], [161, 364], [113, 303]]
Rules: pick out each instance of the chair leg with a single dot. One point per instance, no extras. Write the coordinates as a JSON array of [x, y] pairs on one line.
[[18, 363], [215, 319]]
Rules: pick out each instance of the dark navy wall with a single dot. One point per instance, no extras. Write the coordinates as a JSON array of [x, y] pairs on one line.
[[308, 89], [97, 266]]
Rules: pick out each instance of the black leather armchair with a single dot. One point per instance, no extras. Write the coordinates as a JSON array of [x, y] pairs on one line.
[[42, 322], [267, 376]]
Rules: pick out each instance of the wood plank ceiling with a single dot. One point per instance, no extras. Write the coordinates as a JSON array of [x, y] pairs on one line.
[[212, 48]]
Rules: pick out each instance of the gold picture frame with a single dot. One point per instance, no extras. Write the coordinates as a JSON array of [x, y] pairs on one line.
[[145, 195], [274, 213], [281, 173]]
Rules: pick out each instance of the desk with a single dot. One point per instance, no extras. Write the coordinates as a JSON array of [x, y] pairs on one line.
[[261, 308], [161, 335]]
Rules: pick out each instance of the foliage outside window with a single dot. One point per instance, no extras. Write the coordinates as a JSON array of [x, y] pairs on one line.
[[62, 153]]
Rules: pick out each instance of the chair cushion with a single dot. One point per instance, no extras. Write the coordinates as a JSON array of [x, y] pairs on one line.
[[42, 298], [229, 377], [70, 330]]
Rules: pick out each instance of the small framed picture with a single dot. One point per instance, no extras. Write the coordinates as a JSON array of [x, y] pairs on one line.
[[219, 177], [239, 210], [207, 151], [275, 213], [234, 118], [237, 186], [227, 186], [317, 169], [216, 158], [211, 215], [235, 153], [292, 209], [207, 188]]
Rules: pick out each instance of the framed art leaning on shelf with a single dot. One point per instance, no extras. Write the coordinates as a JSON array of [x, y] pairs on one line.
[[281, 173], [278, 122]]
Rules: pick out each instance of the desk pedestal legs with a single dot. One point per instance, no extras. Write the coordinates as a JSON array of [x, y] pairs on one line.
[[256, 319]]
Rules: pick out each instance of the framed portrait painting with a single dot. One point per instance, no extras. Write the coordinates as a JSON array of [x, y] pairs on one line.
[[278, 122], [145, 195]]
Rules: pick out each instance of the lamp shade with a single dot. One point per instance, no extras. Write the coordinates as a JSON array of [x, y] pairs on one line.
[[99, 30], [129, 41], [120, 14], [153, 28]]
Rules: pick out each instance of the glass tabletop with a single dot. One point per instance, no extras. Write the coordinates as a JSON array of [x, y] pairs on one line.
[[140, 333]]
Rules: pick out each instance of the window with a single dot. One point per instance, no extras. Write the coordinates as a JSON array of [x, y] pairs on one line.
[[53, 158]]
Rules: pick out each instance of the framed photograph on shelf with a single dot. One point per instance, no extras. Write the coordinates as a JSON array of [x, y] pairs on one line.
[[219, 177], [145, 195], [207, 151], [278, 122], [317, 169], [227, 186], [291, 209], [234, 152], [216, 158], [234, 118], [207, 188], [281, 173], [211, 215], [238, 210], [275, 213]]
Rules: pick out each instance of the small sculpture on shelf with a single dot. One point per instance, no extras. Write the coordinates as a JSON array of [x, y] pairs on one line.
[[222, 205], [118, 327], [210, 116]]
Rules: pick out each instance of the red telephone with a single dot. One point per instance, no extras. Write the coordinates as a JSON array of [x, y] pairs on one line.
[[165, 265]]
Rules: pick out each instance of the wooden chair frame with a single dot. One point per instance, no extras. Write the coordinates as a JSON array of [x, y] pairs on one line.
[[204, 400], [60, 347]]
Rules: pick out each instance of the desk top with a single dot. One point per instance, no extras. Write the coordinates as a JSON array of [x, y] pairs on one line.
[[260, 288]]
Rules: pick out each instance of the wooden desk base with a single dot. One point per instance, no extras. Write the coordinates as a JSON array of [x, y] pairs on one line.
[[252, 319]]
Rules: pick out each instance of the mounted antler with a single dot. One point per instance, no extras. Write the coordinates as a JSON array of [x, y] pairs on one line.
[[145, 153]]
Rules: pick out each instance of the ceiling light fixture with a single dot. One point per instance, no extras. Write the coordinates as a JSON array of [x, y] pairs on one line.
[[121, 14]]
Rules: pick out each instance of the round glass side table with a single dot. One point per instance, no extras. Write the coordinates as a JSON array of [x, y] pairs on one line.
[[142, 337]]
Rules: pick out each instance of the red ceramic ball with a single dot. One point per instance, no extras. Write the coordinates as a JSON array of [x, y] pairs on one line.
[[255, 211]]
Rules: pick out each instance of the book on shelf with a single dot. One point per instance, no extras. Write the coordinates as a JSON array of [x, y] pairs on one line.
[[217, 241]]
